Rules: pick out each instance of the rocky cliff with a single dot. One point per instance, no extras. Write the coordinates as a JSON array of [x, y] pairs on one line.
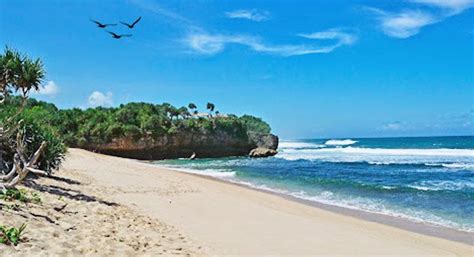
[[183, 145]]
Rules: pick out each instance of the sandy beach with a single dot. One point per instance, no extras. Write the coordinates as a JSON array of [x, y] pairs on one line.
[[125, 207]]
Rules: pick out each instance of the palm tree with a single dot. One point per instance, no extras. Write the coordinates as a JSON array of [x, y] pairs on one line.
[[22, 75], [193, 107], [10, 62], [183, 111], [29, 76], [19, 73], [173, 112], [210, 107]]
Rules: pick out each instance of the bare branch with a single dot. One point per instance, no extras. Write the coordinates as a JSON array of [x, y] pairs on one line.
[[38, 172], [21, 172]]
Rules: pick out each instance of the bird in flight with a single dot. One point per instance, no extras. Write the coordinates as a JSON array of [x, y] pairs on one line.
[[103, 25], [130, 26], [116, 36]]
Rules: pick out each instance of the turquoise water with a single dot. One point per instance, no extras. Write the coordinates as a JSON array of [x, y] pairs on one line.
[[429, 179]]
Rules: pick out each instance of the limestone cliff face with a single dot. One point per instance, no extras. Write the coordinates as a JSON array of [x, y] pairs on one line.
[[184, 144]]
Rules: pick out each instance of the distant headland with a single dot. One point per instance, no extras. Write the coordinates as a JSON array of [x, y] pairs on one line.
[[155, 131]]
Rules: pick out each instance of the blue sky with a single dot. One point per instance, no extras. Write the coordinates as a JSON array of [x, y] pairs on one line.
[[310, 68]]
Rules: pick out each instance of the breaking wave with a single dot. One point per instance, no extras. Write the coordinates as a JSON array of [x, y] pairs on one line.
[[340, 142]]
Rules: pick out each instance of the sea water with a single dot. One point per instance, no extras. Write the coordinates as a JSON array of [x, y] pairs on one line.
[[423, 179]]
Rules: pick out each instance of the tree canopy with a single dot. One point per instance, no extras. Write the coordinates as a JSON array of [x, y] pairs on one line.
[[100, 125]]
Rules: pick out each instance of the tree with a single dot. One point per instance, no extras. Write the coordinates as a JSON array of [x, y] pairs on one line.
[[210, 107], [183, 112], [19, 74], [254, 124], [192, 106]]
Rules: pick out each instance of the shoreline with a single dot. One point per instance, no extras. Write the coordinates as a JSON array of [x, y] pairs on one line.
[[428, 229], [193, 215]]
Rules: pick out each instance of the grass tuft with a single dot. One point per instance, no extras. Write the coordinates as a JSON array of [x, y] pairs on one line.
[[21, 195], [11, 235]]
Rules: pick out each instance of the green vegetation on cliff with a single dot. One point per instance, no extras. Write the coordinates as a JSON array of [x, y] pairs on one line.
[[95, 126]]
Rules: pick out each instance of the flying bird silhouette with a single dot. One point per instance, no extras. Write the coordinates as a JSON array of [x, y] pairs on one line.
[[103, 25], [130, 26], [116, 36]]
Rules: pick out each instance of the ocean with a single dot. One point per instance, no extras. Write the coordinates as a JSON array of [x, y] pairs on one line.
[[422, 179]]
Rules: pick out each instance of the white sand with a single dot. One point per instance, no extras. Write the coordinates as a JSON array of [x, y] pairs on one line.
[[230, 219], [223, 219]]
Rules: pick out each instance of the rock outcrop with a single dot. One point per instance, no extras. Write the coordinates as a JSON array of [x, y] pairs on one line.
[[184, 145], [260, 152]]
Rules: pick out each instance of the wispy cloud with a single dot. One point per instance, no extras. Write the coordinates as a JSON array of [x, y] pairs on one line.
[[446, 124], [100, 99], [173, 17], [343, 38], [409, 22], [464, 119], [200, 41], [403, 24], [393, 126], [253, 15], [50, 89], [452, 7], [204, 43]]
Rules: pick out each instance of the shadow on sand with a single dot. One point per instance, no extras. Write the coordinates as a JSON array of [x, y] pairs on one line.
[[66, 192]]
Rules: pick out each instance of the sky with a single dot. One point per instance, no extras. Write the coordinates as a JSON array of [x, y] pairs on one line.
[[311, 69]]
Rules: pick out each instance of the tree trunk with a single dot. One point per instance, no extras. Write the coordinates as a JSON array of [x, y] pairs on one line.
[[21, 167]]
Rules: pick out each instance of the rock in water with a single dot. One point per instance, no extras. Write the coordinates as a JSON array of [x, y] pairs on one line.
[[262, 152]]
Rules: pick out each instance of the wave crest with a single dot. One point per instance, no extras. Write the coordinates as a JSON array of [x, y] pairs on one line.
[[445, 158], [340, 142], [298, 145]]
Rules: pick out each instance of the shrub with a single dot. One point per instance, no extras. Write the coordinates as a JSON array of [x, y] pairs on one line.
[[254, 124]]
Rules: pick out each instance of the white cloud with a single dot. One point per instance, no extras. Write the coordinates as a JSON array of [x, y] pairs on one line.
[[204, 43], [253, 15], [343, 38], [452, 6], [403, 24], [409, 22], [50, 89], [100, 99]]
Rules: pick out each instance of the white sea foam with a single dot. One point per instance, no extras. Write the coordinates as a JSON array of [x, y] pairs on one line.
[[437, 185], [458, 165], [378, 207], [340, 142], [415, 152], [449, 158], [296, 145], [216, 173]]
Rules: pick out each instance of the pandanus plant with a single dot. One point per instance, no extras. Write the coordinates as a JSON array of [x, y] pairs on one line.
[[21, 75]]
